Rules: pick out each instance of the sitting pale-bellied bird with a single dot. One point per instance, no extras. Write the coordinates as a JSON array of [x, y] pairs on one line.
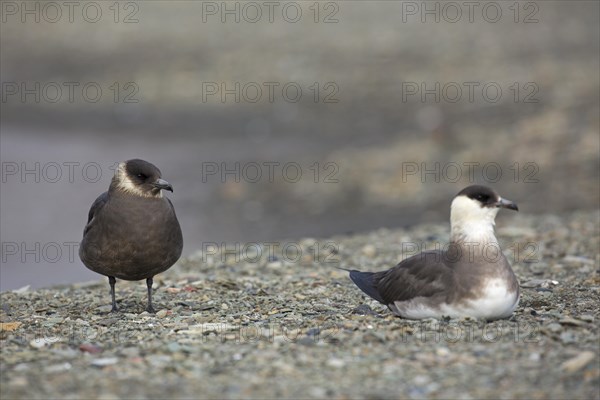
[[471, 278]]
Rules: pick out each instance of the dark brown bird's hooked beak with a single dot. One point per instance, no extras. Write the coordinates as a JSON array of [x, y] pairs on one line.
[[504, 203], [162, 184]]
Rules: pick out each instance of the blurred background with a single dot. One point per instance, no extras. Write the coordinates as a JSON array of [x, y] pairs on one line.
[[291, 119]]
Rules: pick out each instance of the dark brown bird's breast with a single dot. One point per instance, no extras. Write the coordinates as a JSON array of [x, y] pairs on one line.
[[132, 238]]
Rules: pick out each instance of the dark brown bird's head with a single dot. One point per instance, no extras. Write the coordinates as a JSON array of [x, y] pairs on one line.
[[139, 178]]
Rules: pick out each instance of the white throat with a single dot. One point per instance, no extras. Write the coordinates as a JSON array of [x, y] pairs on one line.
[[471, 223]]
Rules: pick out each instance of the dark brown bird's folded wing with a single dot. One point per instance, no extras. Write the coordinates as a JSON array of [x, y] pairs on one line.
[[96, 207], [424, 275]]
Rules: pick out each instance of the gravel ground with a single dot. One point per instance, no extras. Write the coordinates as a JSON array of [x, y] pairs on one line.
[[265, 325]]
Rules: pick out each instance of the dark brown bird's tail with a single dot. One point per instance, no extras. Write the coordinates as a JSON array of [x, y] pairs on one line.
[[365, 282]]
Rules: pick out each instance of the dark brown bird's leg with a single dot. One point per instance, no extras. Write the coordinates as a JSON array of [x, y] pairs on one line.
[[149, 308], [111, 282]]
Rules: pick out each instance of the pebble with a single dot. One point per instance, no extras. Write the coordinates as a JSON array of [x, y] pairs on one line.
[[39, 343], [336, 363], [275, 265], [554, 327], [104, 308], [578, 362], [158, 360], [568, 337], [543, 283], [369, 250], [173, 347], [577, 260], [9, 326], [104, 362], [58, 367], [161, 313], [571, 321], [21, 367], [90, 348], [317, 392], [442, 351]]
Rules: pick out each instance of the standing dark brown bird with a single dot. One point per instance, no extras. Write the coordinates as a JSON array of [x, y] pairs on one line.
[[132, 231]]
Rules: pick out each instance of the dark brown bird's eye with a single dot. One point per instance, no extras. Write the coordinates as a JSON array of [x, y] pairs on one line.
[[141, 176]]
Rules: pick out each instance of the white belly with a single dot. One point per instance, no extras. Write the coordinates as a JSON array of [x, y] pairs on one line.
[[496, 302]]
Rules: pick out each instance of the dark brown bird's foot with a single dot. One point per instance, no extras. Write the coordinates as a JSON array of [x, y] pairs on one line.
[[149, 308], [111, 282]]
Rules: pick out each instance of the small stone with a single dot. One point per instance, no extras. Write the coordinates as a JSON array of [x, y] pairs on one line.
[[568, 337], [161, 314], [363, 309], [554, 327], [274, 264], [130, 352], [9, 326], [104, 309], [336, 363], [173, 347], [577, 260], [104, 362], [369, 250], [571, 321], [224, 306], [442, 351], [58, 368], [532, 283], [578, 362], [19, 381], [21, 367], [541, 283], [108, 321], [43, 342], [538, 268], [421, 380], [90, 348], [318, 392], [159, 360]]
